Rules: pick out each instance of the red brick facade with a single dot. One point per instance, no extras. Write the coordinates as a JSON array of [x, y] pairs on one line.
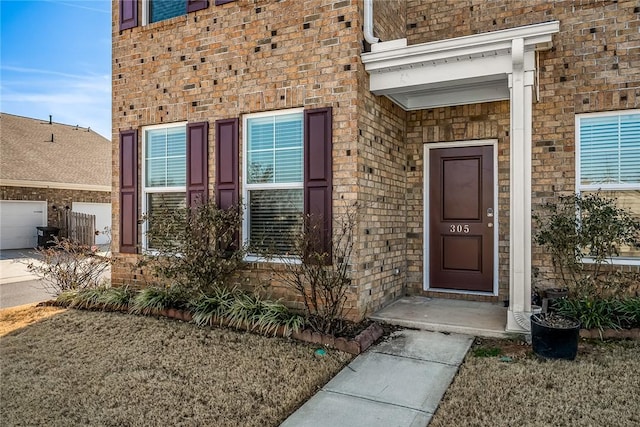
[[246, 57]]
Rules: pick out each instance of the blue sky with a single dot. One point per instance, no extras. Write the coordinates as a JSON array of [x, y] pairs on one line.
[[55, 58]]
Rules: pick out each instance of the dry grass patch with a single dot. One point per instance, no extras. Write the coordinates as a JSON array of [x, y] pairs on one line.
[[600, 388], [18, 317], [91, 368]]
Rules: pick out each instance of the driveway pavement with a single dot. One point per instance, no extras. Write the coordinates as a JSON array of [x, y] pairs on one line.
[[18, 286]]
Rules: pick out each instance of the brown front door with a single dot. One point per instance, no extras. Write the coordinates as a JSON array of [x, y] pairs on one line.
[[461, 216]]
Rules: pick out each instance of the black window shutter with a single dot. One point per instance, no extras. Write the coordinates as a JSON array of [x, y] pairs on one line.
[[193, 5], [227, 157], [318, 172], [219, 2], [128, 14], [129, 191], [197, 158]]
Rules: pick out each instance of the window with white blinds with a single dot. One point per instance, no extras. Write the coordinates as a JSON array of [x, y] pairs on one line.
[[273, 180], [164, 171], [609, 150], [165, 157], [608, 160]]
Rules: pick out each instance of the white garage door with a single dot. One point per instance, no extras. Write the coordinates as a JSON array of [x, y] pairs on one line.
[[18, 222], [102, 211]]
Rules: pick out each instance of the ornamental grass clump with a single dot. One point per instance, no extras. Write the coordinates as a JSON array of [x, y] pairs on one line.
[[154, 299], [244, 311]]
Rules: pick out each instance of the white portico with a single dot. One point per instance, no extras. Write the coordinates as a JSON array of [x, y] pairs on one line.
[[495, 66]]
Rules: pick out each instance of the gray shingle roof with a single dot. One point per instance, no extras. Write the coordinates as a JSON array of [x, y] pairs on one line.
[[76, 155]]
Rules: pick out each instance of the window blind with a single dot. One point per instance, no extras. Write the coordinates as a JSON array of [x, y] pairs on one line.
[[165, 9], [275, 219], [165, 157], [160, 205], [274, 152], [610, 149]]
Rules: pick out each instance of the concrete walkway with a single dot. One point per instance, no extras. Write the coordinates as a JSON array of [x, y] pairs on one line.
[[398, 382]]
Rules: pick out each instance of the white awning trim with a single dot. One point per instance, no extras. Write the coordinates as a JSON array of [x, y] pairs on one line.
[[462, 70]]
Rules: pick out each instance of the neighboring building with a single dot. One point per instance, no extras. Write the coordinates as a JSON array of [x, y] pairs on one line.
[[448, 132], [46, 168]]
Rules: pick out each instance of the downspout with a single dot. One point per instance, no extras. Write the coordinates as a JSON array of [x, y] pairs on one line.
[[368, 23]]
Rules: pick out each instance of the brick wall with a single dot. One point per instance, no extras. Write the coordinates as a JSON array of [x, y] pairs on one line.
[[239, 58], [54, 197], [594, 66], [381, 172], [389, 19], [246, 57]]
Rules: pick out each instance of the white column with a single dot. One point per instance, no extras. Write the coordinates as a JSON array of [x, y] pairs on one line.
[[520, 87]]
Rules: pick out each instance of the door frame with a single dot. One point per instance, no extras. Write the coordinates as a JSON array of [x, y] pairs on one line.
[[426, 232]]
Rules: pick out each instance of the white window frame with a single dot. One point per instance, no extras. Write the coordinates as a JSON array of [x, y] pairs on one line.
[[146, 12], [147, 190], [270, 186], [602, 187]]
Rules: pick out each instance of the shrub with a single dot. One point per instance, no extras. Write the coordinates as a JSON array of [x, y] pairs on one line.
[[587, 226], [69, 265], [602, 313], [628, 310], [321, 277], [194, 248]]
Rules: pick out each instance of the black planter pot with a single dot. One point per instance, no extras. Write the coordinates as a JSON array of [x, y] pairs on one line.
[[555, 293], [554, 342]]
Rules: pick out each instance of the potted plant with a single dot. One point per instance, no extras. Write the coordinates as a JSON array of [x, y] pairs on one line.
[[572, 230], [554, 336]]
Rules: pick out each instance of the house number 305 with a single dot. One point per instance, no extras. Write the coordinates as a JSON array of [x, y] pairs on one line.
[[459, 228]]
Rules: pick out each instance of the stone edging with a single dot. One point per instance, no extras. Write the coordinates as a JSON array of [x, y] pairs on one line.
[[355, 346]]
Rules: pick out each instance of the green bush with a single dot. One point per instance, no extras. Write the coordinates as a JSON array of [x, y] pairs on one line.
[[628, 310], [590, 226], [194, 248], [592, 313]]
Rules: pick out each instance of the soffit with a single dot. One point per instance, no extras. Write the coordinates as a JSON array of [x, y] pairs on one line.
[[462, 70]]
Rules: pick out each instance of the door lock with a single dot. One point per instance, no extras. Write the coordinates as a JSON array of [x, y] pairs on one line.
[[490, 213]]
